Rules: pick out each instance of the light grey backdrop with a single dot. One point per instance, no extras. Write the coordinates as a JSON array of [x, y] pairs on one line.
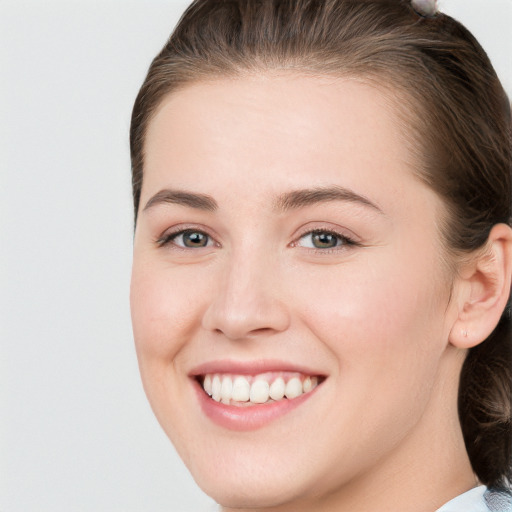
[[76, 433]]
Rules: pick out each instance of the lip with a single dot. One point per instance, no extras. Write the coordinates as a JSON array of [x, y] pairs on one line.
[[251, 368], [256, 416]]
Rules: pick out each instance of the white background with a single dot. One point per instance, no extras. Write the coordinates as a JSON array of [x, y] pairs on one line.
[[76, 433]]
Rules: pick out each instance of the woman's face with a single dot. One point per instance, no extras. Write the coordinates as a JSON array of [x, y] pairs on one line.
[[283, 238]]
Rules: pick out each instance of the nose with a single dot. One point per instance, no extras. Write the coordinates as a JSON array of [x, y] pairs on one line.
[[246, 299]]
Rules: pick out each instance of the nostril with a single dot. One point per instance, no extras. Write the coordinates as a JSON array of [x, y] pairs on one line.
[[261, 330]]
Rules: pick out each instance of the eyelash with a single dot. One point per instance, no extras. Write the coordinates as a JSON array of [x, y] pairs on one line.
[[342, 240], [169, 238]]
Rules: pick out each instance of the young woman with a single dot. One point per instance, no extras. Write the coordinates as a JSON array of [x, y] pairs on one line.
[[323, 256]]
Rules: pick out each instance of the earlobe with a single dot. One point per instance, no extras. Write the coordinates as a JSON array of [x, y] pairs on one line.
[[484, 290]]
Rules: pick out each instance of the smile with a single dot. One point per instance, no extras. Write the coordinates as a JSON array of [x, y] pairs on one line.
[[247, 390], [245, 396]]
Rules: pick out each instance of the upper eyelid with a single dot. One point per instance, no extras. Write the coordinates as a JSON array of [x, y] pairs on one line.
[[320, 230], [339, 231], [335, 230], [172, 233], [349, 240], [344, 238], [186, 226]]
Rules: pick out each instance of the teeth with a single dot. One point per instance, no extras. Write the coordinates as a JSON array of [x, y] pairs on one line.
[[258, 389], [259, 392], [241, 390], [293, 388], [216, 387], [207, 384], [226, 389], [277, 389]]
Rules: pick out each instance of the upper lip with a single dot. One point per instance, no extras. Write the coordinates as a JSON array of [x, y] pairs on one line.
[[256, 367]]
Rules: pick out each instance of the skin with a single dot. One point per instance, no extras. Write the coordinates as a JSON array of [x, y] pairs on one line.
[[375, 317]]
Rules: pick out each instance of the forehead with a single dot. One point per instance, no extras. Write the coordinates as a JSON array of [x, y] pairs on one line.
[[278, 99], [283, 111], [279, 130]]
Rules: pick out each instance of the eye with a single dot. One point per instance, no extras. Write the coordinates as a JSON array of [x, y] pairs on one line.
[[187, 239], [323, 239]]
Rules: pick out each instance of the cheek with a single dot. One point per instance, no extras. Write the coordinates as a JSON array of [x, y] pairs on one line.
[[165, 310], [385, 331], [384, 321]]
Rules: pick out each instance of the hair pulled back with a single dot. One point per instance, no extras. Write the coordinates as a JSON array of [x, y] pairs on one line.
[[456, 111]]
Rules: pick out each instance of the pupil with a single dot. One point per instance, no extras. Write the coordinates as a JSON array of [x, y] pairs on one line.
[[324, 240], [194, 239]]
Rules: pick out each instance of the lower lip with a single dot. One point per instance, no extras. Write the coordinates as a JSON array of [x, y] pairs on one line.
[[247, 418]]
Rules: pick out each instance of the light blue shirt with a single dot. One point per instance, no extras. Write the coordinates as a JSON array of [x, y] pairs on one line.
[[479, 499]]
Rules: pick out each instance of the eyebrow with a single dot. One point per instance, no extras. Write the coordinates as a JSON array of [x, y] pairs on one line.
[[306, 197], [285, 202], [192, 200]]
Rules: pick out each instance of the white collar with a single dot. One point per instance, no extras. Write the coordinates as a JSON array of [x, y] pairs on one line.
[[470, 501]]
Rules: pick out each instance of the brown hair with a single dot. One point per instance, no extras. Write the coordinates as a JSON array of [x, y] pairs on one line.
[[460, 131]]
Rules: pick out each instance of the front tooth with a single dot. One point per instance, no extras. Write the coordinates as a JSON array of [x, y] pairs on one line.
[[241, 390], [277, 388], [226, 389], [293, 388], [259, 392], [207, 384], [216, 387]]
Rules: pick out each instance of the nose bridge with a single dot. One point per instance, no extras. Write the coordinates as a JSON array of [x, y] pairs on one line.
[[247, 298]]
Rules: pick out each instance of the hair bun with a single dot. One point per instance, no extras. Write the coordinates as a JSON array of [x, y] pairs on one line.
[[425, 7]]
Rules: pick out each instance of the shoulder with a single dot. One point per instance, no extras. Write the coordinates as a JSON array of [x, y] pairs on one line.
[[480, 499], [498, 500]]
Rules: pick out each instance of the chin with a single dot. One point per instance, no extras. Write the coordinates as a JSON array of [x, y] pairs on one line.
[[262, 474], [241, 492]]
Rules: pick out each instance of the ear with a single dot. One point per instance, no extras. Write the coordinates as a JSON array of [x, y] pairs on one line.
[[483, 289]]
